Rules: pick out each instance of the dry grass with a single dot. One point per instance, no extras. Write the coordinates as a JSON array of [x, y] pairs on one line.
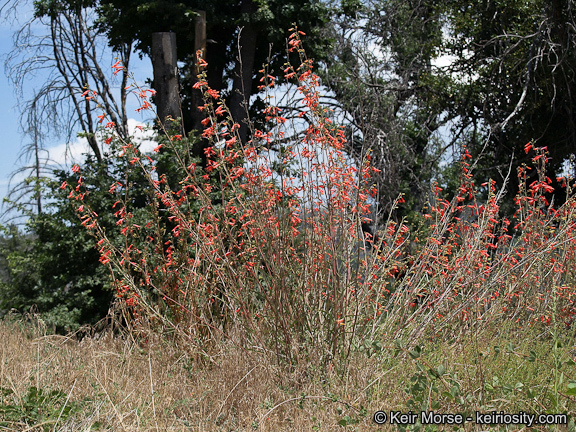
[[123, 385], [128, 386]]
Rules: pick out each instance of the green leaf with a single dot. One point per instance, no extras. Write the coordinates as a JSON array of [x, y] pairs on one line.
[[415, 352], [447, 395], [571, 388], [455, 390], [553, 403]]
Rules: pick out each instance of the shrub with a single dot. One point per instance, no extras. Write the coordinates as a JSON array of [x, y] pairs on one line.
[[249, 240], [261, 244], [55, 269], [52, 267]]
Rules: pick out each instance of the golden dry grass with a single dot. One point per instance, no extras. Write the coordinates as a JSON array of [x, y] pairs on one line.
[[124, 385], [161, 385]]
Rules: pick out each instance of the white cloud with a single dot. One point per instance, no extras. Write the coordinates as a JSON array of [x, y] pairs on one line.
[[143, 135], [66, 155]]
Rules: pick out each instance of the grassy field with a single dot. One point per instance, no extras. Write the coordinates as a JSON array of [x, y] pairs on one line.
[[117, 383]]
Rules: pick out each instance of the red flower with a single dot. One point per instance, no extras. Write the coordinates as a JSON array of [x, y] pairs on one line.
[[117, 67], [214, 93]]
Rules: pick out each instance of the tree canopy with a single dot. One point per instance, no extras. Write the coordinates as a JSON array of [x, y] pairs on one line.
[[420, 79]]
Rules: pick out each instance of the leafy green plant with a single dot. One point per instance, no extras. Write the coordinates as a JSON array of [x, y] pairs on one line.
[[431, 388], [37, 408], [52, 266], [512, 378], [56, 272], [359, 415]]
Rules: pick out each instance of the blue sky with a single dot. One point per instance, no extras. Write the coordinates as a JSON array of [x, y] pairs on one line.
[[11, 137]]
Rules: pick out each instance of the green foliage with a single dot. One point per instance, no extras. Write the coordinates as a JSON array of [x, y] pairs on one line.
[[530, 377], [378, 71], [53, 267], [420, 79], [37, 408], [512, 78], [136, 21]]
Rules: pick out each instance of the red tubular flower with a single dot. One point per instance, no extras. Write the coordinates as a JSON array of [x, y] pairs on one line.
[[117, 67]]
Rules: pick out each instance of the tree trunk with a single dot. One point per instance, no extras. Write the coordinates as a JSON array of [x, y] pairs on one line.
[[164, 63], [242, 85], [199, 49], [37, 163]]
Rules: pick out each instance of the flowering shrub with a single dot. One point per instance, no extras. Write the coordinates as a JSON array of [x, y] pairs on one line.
[[261, 242], [474, 266]]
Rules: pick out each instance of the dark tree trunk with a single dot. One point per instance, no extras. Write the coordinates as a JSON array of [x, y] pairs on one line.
[[242, 85], [164, 63], [199, 48]]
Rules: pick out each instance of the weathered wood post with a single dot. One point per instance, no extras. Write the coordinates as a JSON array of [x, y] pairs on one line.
[[166, 84]]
